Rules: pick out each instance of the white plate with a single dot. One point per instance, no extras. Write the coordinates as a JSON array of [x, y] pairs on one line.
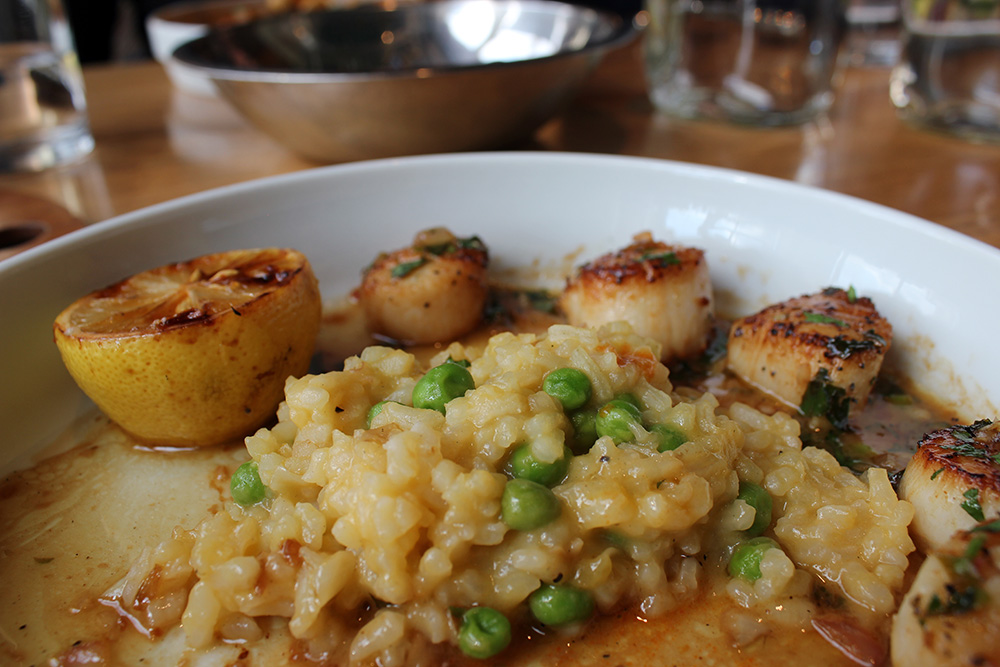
[[766, 240]]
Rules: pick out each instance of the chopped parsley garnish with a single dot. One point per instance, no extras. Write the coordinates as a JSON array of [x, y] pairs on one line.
[[960, 600], [967, 449], [990, 527], [899, 399], [663, 258], [615, 539], [974, 547], [406, 268], [824, 597], [961, 434], [964, 565], [936, 473], [971, 504], [541, 300], [447, 247], [824, 399], [852, 296], [471, 243], [820, 318], [967, 444], [850, 451], [439, 248], [841, 347]]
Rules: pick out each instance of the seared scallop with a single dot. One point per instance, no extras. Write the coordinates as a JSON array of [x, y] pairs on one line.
[[951, 614], [663, 291], [953, 482], [433, 291], [833, 339]]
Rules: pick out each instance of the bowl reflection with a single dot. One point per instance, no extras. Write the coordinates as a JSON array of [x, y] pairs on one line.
[[384, 80]]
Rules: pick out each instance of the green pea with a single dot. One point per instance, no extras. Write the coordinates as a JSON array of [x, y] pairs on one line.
[[584, 430], [746, 558], [245, 485], [484, 632], [560, 604], [758, 498], [374, 411], [569, 386], [522, 464], [616, 419], [441, 384], [668, 437], [526, 505]]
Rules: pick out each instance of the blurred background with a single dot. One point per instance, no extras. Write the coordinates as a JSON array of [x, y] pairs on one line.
[[115, 30]]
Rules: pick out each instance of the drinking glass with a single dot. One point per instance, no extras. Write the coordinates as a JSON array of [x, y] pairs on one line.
[[873, 32], [758, 62], [43, 112], [948, 75]]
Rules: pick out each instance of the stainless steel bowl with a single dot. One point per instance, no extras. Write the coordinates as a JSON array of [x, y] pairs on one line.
[[384, 80]]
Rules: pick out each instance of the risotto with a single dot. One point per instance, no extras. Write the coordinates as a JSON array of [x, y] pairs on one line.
[[376, 531]]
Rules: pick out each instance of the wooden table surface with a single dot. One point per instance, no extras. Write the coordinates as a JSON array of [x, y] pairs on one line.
[[155, 143]]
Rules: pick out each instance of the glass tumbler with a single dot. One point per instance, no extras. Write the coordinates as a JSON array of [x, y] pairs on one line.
[[755, 62], [948, 75], [43, 111], [873, 32]]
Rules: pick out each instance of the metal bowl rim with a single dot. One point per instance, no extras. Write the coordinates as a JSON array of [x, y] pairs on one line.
[[623, 31]]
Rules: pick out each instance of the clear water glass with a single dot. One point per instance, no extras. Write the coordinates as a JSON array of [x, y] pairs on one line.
[[756, 62], [948, 74], [43, 110], [873, 32]]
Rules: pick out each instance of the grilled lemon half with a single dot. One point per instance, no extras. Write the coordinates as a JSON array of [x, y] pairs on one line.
[[195, 353]]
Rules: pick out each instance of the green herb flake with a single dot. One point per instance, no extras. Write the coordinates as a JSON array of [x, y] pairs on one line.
[[406, 268], [959, 601], [472, 243], [974, 547], [849, 450], [839, 346], [964, 565], [901, 400], [663, 258], [615, 539], [44, 561], [852, 296], [439, 249], [935, 474], [824, 597], [967, 444], [971, 504], [966, 449], [824, 399], [963, 435], [989, 527], [541, 300], [820, 318]]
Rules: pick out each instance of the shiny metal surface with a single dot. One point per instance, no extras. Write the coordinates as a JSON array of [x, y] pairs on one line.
[[376, 81]]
